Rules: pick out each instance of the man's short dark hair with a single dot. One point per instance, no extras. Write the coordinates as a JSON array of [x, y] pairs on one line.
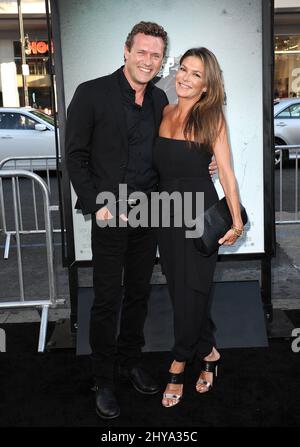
[[149, 29]]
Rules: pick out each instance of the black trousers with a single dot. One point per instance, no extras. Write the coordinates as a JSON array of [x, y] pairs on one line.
[[189, 276], [118, 250]]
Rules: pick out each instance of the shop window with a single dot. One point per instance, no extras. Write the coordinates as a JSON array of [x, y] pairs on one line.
[[287, 67], [37, 58]]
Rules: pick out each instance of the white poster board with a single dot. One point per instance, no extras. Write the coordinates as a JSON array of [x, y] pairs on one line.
[[93, 35]]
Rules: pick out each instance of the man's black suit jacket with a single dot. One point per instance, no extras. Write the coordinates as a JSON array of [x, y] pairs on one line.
[[96, 138]]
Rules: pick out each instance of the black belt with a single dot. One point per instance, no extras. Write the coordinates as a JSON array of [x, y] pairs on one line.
[[131, 203]]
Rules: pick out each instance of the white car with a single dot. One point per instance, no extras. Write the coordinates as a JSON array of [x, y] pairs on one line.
[[287, 126], [26, 132]]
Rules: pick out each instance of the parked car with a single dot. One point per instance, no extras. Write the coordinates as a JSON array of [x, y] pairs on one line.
[[27, 132], [287, 126]]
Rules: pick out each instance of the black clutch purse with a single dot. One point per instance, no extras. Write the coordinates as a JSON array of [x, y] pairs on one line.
[[217, 221]]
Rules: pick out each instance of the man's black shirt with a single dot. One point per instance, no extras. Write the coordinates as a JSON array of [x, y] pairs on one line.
[[140, 174]]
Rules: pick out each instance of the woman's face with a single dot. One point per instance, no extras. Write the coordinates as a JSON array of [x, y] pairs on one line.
[[190, 78]]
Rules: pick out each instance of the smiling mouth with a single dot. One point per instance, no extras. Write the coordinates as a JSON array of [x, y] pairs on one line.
[[184, 85], [145, 70]]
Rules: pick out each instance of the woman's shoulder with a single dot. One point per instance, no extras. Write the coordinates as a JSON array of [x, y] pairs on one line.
[[168, 109]]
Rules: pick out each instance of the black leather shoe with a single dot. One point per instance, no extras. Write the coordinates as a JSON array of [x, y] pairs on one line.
[[140, 379], [106, 403]]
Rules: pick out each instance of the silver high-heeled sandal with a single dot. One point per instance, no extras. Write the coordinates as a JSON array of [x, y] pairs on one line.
[[210, 367], [177, 379]]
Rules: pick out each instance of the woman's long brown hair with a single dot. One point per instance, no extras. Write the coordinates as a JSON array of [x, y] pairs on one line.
[[206, 118]]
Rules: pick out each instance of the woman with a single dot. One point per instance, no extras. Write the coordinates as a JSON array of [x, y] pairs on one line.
[[190, 133]]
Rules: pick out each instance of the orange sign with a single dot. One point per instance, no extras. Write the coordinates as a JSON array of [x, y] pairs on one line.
[[40, 47]]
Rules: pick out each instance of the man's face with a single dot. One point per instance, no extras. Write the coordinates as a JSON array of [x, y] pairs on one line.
[[144, 60]]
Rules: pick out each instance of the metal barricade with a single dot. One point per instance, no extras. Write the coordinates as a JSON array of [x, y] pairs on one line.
[[34, 163], [21, 302], [279, 158]]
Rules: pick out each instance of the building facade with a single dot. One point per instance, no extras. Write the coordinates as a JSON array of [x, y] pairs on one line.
[[287, 49], [37, 49]]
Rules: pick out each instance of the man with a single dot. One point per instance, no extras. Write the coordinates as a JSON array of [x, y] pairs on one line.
[[112, 123]]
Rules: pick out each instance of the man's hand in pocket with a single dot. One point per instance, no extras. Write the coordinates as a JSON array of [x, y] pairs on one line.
[[103, 214]]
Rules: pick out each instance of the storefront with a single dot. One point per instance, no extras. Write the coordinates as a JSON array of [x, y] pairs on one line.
[[287, 53], [287, 67], [36, 69], [38, 80]]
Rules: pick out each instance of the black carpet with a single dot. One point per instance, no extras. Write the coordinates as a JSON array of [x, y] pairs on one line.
[[257, 387]]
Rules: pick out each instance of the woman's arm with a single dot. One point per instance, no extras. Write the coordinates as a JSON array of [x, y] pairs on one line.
[[227, 179]]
